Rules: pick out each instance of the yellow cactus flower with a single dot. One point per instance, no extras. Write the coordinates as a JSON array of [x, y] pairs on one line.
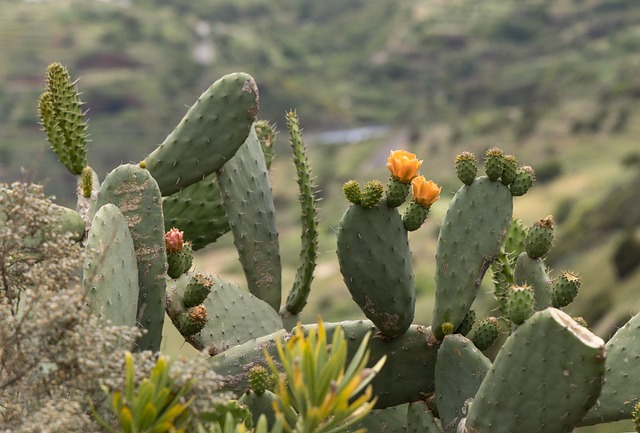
[[425, 192], [403, 165]]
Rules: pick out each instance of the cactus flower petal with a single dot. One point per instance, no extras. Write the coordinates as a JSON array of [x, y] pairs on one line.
[[425, 192], [403, 165]]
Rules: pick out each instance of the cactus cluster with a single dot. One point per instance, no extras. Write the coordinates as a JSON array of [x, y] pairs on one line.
[[210, 176]]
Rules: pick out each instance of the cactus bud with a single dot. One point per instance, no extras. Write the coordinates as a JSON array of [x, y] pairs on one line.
[[467, 323], [191, 321], [352, 191], [396, 192], [525, 176], [372, 194], [565, 289], [510, 169], [447, 328], [486, 333], [466, 167], [494, 163], [539, 238], [261, 380], [520, 303], [197, 290], [174, 240], [86, 181]]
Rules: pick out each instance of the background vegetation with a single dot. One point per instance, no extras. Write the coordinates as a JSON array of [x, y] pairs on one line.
[[554, 82]]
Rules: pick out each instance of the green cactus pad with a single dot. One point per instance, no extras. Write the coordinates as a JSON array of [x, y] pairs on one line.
[[533, 272], [472, 232], [67, 222], [621, 381], [503, 267], [460, 369], [60, 110], [247, 198], [198, 211], [420, 419], [525, 177], [520, 303], [135, 192], [375, 262], [494, 163], [510, 169], [208, 136], [565, 289], [486, 333], [403, 378], [267, 137], [297, 298], [466, 167], [467, 323], [110, 272], [388, 420], [548, 389], [539, 238], [234, 315], [397, 192], [260, 405]]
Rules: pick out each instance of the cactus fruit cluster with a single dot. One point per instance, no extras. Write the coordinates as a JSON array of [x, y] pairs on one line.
[[210, 176]]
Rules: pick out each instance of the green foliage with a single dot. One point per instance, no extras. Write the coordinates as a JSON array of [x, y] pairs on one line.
[[155, 405]]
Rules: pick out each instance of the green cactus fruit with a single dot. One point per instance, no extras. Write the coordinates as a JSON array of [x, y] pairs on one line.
[[565, 289], [179, 253], [520, 303], [403, 378], [198, 211], [470, 238], [297, 298], [510, 170], [248, 200], [235, 315], [539, 238], [467, 323], [494, 163], [191, 321], [447, 328], [414, 216], [197, 289], [261, 379], [371, 194], [486, 333], [352, 191], [375, 262], [533, 272], [135, 192], [110, 273], [208, 136], [460, 369], [466, 167], [396, 192], [61, 115], [546, 389], [525, 177], [267, 137], [260, 405], [621, 384], [420, 419]]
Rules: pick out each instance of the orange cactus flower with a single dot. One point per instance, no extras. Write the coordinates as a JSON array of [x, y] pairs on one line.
[[425, 192], [403, 165]]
